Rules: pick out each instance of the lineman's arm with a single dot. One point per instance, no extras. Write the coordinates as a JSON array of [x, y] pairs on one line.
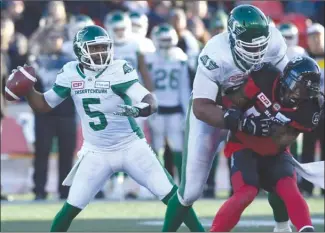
[[144, 72], [205, 108]]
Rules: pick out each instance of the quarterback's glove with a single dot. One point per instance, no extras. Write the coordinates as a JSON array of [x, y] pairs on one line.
[[232, 119], [257, 126], [140, 109]]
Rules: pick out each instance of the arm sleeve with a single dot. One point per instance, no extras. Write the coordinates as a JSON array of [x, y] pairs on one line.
[[185, 87], [60, 90], [203, 86], [280, 58], [136, 92]]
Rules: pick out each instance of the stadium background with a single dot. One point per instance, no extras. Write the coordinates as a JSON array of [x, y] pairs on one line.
[[16, 142]]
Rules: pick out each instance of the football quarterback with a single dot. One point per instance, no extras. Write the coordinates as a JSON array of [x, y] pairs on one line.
[[107, 96]]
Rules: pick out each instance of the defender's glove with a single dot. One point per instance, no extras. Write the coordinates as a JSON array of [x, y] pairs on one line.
[[140, 109], [257, 126]]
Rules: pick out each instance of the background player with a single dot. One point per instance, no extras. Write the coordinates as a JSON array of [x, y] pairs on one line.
[[169, 71], [223, 66], [113, 141]]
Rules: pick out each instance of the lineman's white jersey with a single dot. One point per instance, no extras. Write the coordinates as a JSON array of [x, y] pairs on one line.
[[96, 96], [217, 68], [294, 51], [170, 77]]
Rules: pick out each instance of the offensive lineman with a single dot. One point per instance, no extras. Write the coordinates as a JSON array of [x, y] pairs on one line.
[[169, 71], [290, 103], [108, 97], [223, 64]]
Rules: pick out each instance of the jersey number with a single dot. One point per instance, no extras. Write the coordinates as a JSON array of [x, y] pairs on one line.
[[161, 75], [92, 114]]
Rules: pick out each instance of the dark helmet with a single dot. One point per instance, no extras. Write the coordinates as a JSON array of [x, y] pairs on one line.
[[300, 81]]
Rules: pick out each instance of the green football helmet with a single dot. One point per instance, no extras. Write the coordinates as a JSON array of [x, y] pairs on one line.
[[139, 23], [164, 37], [119, 26], [93, 47], [249, 35], [290, 33]]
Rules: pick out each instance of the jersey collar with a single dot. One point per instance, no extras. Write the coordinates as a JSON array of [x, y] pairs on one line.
[[81, 73]]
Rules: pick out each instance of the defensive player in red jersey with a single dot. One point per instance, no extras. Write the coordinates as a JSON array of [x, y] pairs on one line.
[[288, 103]]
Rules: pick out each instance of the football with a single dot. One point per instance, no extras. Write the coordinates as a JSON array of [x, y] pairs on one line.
[[20, 83]]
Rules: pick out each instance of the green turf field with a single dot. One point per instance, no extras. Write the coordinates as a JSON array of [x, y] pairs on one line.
[[136, 216]]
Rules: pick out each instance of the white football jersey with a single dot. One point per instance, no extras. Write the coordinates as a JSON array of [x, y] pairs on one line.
[[170, 78], [216, 63], [96, 96], [145, 45], [127, 51], [294, 51]]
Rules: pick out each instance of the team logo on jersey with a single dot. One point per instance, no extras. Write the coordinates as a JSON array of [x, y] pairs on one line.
[[77, 85], [103, 84], [127, 68], [276, 106], [267, 103], [315, 118], [208, 62]]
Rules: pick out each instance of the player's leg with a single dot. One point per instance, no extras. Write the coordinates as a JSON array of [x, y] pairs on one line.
[[91, 174], [244, 179], [280, 213], [284, 179], [196, 164], [141, 163], [175, 138]]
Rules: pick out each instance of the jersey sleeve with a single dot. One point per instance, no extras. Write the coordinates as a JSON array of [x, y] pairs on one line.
[[208, 72], [61, 88], [125, 77], [278, 49], [308, 117]]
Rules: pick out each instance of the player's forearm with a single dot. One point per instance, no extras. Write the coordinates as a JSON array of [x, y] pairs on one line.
[[151, 107], [37, 101], [206, 110]]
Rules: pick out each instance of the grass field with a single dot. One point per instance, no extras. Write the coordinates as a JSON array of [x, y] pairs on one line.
[[136, 216]]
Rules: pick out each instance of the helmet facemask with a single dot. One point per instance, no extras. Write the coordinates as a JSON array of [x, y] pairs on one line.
[[96, 54], [164, 41], [251, 53]]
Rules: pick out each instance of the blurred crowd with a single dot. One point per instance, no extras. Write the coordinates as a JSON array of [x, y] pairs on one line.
[[34, 31]]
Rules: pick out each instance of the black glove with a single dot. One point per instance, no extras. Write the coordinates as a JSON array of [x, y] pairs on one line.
[[257, 126], [232, 118]]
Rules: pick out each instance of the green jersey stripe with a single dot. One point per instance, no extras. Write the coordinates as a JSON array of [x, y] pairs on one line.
[[61, 91], [120, 89]]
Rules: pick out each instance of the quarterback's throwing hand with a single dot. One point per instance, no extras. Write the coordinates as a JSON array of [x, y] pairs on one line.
[[127, 110]]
